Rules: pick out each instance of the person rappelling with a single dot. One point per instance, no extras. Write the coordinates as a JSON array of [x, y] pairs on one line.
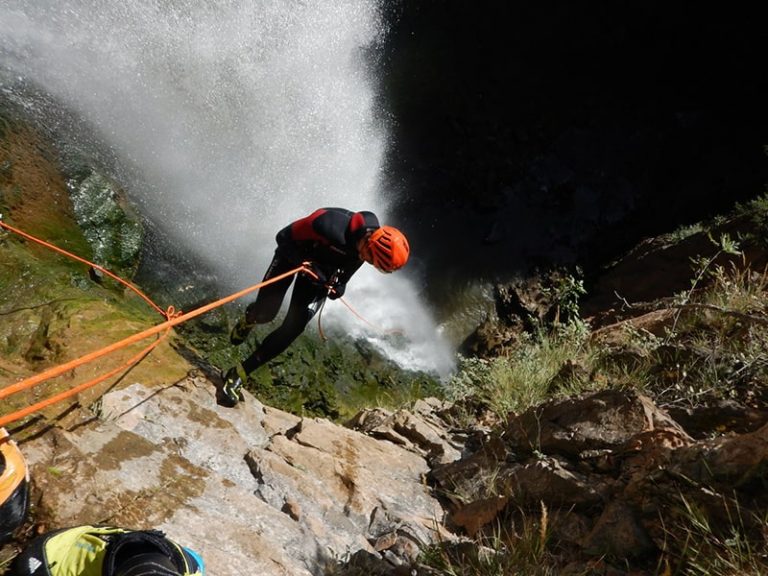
[[335, 243]]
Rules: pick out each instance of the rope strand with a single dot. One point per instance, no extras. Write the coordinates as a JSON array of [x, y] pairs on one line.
[[84, 261]]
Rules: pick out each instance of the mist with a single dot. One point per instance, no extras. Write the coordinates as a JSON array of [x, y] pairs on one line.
[[231, 119]]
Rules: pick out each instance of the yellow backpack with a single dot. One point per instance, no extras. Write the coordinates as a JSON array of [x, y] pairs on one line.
[[100, 551]]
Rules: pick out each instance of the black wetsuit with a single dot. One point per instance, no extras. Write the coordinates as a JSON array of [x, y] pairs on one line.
[[328, 239]]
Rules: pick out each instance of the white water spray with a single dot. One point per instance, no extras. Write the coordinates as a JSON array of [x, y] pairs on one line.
[[236, 117]]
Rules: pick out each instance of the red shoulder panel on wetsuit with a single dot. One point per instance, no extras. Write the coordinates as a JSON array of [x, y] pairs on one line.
[[303, 230], [356, 222]]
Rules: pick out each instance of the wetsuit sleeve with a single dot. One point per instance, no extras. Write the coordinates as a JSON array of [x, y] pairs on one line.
[[286, 248]]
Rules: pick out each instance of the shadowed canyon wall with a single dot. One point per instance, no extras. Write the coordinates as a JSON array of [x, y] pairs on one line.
[[533, 134]]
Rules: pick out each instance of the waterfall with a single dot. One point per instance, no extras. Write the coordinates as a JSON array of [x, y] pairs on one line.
[[231, 118]]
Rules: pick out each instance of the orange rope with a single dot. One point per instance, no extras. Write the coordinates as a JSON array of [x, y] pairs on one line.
[[84, 261], [169, 313], [377, 328], [13, 416]]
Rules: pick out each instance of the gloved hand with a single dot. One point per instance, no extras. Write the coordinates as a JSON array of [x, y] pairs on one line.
[[336, 290]]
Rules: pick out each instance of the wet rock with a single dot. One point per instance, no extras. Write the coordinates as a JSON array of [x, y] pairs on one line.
[[111, 226]]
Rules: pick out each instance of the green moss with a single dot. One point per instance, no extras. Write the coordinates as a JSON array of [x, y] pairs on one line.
[[5, 121], [334, 378], [51, 308]]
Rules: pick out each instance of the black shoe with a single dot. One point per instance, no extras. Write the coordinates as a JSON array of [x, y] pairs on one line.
[[240, 332], [231, 391]]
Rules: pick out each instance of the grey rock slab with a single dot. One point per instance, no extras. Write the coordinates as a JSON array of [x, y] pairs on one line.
[[252, 489]]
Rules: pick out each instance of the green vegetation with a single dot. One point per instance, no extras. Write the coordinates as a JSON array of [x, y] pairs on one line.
[[514, 549], [703, 548], [334, 378], [756, 212], [534, 371], [553, 360], [698, 348]]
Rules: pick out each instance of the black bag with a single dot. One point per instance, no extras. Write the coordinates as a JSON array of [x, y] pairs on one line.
[[107, 551]]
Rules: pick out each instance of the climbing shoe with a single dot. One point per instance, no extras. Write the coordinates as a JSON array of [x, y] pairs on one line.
[[240, 332], [231, 390]]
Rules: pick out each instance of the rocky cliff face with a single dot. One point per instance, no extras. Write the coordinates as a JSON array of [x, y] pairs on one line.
[[258, 490], [253, 489]]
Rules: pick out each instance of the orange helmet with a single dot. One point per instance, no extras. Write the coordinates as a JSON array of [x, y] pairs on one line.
[[389, 249], [14, 486]]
